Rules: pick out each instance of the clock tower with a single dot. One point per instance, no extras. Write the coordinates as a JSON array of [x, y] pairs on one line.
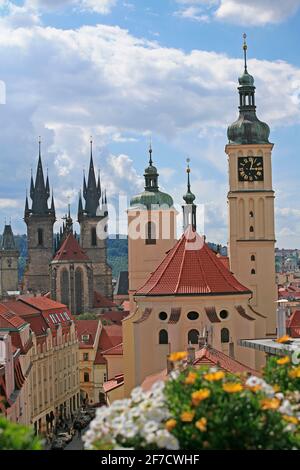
[[251, 206]]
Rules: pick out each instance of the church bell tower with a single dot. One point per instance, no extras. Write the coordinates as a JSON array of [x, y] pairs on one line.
[[251, 204]]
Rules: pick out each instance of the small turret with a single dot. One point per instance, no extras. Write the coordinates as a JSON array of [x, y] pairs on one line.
[[189, 208]]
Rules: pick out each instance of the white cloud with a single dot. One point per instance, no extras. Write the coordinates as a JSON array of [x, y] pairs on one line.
[[243, 12], [102, 7]]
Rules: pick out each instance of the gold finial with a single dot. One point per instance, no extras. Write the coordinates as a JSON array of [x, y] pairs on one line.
[[245, 47], [188, 170]]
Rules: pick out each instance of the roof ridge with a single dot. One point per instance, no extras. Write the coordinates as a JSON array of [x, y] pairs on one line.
[[202, 270]]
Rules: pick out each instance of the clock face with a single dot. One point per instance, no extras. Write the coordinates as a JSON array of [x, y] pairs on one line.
[[250, 168]]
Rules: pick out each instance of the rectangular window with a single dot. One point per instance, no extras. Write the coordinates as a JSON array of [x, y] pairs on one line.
[[85, 356]]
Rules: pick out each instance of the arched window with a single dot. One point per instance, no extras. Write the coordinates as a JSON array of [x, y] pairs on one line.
[[163, 316], [251, 228], [40, 236], [224, 335], [193, 315], [163, 337], [251, 214], [78, 291], [252, 258], [252, 271], [64, 287], [93, 236], [86, 377], [150, 233], [193, 337]]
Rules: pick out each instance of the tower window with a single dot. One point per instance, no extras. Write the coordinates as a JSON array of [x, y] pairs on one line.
[[224, 335], [252, 258], [150, 233], [40, 236], [93, 237], [251, 228], [163, 337], [251, 214], [193, 337], [252, 271]]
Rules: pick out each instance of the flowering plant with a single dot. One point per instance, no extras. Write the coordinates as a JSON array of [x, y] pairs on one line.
[[198, 409]]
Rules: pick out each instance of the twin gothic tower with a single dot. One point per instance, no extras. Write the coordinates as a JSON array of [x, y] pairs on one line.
[[40, 219]]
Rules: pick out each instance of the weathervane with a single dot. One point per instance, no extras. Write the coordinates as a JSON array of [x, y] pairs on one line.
[[245, 47]]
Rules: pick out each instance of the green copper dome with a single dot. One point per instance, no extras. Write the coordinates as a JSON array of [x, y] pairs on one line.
[[247, 129], [151, 196]]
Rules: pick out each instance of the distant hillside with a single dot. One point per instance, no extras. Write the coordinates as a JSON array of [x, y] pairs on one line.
[[117, 253]]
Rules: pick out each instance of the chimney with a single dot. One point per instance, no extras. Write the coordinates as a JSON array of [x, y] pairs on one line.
[[170, 365], [191, 354], [281, 318]]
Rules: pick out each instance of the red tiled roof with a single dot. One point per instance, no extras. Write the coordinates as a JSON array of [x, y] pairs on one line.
[[224, 260], [87, 327], [115, 316], [102, 302], [42, 303], [20, 308], [115, 350], [212, 357], [9, 319], [114, 383], [70, 251], [191, 267], [294, 324], [110, 337]]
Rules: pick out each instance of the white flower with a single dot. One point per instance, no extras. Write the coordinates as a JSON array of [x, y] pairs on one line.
[[253, 381], [174, 374], [279, 395], [165, 440], [286, 408], [137, 394], [150, 427], [158, 386]]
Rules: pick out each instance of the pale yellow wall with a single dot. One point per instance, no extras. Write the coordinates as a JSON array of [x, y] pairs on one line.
[[116, 394], [115, 365], [142, 258], [143, 355], [257, 197]]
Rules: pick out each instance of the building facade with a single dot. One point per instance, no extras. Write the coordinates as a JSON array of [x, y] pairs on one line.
[[9, 255]]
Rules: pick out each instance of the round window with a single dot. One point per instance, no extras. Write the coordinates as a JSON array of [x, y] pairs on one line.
[[224, 314], [163, 316], [193, 315]]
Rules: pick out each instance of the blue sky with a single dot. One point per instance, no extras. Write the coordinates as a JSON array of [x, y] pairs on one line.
[[124, 70]]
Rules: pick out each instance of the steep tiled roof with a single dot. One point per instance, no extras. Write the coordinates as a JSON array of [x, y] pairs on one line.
[[212, 357], [71, 251], [84, 328], [114, 316], [9, 320], [122, 285], [191, 268], [20, 308], [110, 337], [102, 302]]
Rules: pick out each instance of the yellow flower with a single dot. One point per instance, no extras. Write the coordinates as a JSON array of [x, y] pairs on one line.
[[270, 404], [177, 356], [290, 419], [283, 339], [295, 373], [170, 424], [232, 387], [200, 395], [201, 424], [191, 378], [276, 388], [283, 360], [187, 416], [255, 388], [214, 376]]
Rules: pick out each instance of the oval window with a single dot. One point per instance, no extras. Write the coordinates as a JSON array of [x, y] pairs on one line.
[[193, 315], [163, 316], [224, 314]]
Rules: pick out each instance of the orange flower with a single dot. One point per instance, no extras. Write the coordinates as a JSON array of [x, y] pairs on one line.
[[291, 419], [255, 388], [201, 424], [283, 339], [187, 416], [191, 378], [283, 360], [232, 387], [170, 424], [200, 395], [270, 404], [214, 376], [295, 373], [177, 356], [276, 388]]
